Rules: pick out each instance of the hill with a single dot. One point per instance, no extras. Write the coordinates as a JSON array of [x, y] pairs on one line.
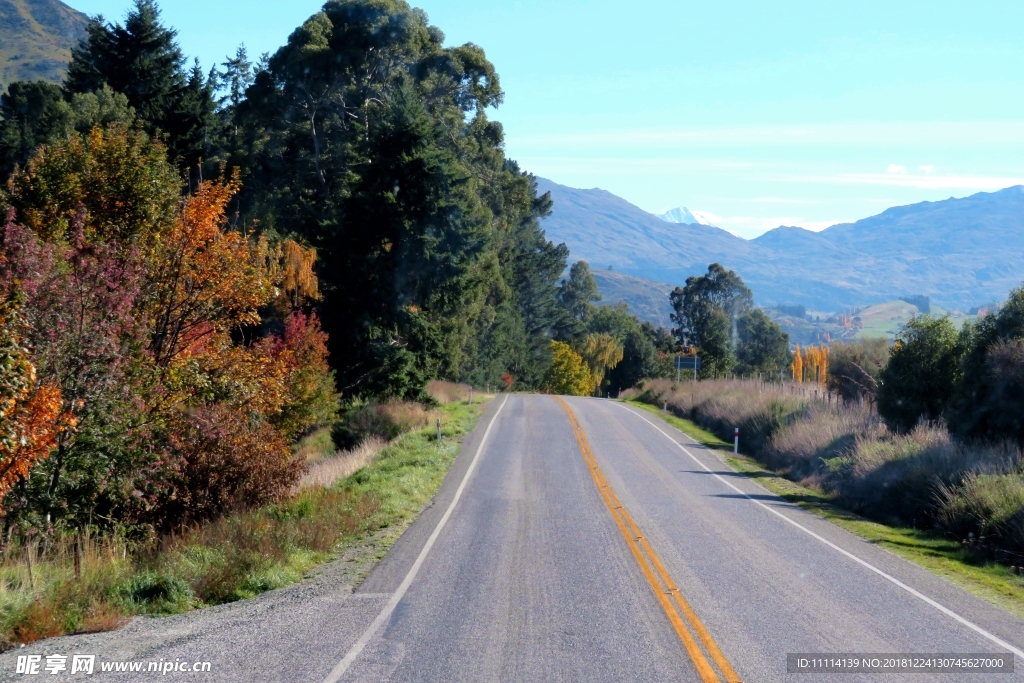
[[646, 299], [36, 37], [958, 252]]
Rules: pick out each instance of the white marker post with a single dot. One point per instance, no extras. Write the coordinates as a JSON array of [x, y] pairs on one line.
[[664, 408], [736, 442]]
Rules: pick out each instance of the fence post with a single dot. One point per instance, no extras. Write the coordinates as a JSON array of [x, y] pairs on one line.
[[78, 557], [736, 441], [28, 563], [471, 395], [438, 429], [664, 408]]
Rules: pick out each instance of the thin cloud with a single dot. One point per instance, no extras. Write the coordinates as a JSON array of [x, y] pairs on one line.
[[927, 168], [926, 182], [896, 168]]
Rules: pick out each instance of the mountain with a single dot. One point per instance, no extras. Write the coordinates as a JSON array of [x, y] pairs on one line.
[[36, 37], [959, 252], [681, 214]]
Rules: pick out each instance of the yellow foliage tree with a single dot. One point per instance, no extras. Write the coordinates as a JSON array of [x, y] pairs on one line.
[[568, 374], [815, 359], [798, 365], [601, 352]]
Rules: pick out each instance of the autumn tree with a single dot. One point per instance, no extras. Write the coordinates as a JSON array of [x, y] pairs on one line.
[[601, 352], [569, 374], [797, 367], [116, 181], [31, 413]]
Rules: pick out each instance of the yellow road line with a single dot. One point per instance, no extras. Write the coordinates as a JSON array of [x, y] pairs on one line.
[[647, 558]]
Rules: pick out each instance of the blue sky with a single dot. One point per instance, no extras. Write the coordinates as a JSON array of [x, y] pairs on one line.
[[758, 113]]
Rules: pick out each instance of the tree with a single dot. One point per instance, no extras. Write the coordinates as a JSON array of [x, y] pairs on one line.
[[117, 181], [704, 311], [370, 140], [142, 61], [29, 113], [81, 325], [717, 359], [601, 352], [979, 407], [920, 376], [568, 374], [31, 413], [577, 294], [797, 367], [763, 346], [34, 114]]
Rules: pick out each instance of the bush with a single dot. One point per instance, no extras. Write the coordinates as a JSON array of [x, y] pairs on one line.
[[988, 506], [853, 367], [217, 461]]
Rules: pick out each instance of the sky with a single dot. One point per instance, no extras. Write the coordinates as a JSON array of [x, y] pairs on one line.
[[758, 114]]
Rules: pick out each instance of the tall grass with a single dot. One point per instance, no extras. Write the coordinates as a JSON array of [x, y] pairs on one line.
[[327, 471], [448, 392], [924, 478]]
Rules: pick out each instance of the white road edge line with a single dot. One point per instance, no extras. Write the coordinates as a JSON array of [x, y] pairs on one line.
[[338, 671], [945, 610]]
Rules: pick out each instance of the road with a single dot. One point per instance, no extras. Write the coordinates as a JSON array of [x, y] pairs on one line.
[[585, 540]]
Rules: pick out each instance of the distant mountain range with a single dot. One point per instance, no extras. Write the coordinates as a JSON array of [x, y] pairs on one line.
[[36, 37], [681, 214], [960, 252]]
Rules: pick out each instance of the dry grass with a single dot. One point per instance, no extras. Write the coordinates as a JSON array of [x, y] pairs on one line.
[[327, 471], [447, 392], [921, 479]]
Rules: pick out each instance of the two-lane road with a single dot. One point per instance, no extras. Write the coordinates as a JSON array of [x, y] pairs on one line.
[[531, 577]]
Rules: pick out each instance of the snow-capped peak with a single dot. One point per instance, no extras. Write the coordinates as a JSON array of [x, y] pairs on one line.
[[683, 215]]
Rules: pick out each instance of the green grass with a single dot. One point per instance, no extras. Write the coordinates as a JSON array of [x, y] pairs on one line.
[[994, 582], [240, 556]]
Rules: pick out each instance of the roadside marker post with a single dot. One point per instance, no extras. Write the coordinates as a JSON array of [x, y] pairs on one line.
[[438, 429], [736, 442], [664, 408]]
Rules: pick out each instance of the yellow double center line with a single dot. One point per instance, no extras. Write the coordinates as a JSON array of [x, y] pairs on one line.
[[678, 611]]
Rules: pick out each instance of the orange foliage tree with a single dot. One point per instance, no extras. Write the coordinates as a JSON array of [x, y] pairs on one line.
[[31, 414]]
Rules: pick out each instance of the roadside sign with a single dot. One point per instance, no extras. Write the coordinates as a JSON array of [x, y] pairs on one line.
[[687, 362]]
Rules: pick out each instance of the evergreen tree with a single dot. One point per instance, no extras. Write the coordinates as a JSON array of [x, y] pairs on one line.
[[369, 138], [142, 60], [578, 293]]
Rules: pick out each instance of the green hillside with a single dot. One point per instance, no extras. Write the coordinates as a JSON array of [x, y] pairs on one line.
[[36, 37]]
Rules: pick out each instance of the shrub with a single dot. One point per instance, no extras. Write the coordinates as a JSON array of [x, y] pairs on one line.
[[218, 460]]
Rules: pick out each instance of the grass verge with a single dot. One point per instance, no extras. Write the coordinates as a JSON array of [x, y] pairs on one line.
[[236, 557], [988, 580]]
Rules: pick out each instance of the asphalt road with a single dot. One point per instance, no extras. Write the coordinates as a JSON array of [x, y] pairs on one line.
[[524, 569]]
